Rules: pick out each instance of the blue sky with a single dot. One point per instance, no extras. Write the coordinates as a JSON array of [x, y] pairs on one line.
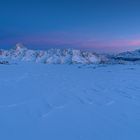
[[101, 25]]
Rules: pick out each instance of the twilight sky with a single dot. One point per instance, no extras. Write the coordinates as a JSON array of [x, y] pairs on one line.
[[100, 25]]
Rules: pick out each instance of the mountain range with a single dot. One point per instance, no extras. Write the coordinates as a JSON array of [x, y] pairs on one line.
[[65, 56]]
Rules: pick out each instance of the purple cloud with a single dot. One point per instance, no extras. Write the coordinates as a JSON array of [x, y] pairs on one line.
[[69, 41]]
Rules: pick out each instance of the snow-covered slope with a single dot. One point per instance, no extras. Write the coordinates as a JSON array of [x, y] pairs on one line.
[[51, 56], [128, 57], [66, 56], [69, 102]]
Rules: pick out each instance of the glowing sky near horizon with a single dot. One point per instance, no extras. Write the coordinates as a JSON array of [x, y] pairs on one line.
[[101, 25]]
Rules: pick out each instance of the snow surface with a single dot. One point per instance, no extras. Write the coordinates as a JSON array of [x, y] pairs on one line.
[[69, 102]]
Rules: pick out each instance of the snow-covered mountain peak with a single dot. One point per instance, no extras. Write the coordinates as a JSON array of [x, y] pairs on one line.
[[66, 56], [20, 46], [51, 56], [130, 54]]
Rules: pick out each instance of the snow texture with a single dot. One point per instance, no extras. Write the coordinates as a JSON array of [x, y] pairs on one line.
[[69, 102]]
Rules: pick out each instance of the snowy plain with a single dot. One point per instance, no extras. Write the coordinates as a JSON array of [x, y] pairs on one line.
[[69, 102]]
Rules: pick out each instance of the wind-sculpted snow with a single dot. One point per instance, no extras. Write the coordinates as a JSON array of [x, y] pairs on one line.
[[51, 56], [69, 102]]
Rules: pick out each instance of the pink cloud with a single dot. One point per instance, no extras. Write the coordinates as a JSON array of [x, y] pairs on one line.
[[46, 40]]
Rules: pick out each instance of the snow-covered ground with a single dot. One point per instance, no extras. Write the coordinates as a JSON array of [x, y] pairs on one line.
[[69, 102]]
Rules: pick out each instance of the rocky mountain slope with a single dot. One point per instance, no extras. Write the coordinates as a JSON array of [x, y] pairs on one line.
[[51, 56], [127, 57], [65, 56]]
